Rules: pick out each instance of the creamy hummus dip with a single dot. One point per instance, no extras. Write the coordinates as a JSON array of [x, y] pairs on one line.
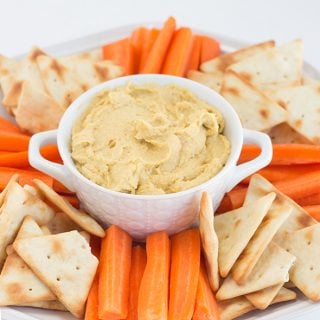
[[149, 139]]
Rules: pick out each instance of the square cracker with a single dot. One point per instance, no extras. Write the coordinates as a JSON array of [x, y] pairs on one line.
[[305, 274], [64, 263], [271, 269], [235, 229]]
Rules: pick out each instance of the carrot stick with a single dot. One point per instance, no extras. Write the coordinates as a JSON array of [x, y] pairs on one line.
[[285, 154], [92, 301], [138, 39], [95, 244], [225, 205], [279, 172], [73, 200], [115, 262], [138, 264], [314, 211], [194, 60], [206, 307], [14, 160], [25, 177], [159, 50], [312, 199], [13, 141], [179, 53], [210, 48], [184, 274], [147, 46], [120, 52], [7, 126], [51, 152], [153, 294]]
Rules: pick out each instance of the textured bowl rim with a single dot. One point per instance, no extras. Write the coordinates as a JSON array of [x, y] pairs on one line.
[[68, 119]]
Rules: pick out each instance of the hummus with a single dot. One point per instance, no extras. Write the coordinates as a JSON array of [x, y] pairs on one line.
[[149, 139]]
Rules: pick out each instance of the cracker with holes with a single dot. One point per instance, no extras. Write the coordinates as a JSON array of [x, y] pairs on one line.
[[209, 240], [305, 274], [272, 268], [254, 108], [18, 283], [235, 229], [64, 262], [80, 218]]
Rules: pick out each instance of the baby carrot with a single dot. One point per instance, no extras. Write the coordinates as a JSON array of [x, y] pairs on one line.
[[13, 141], [210, 48], [153, 294], [184, 274], [314, 211], [160, 47], [194, 60], [7, 126], [146, 47], [138, 38], [115, 262], [312, 199], [138, 264], [92, 301]]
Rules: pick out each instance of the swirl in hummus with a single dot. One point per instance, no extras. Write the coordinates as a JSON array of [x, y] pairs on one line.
[[149, 139]]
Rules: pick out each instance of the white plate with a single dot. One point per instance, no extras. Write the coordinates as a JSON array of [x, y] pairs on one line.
[[300, 309]]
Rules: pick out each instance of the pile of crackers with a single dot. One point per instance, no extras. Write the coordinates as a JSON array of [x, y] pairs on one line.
[[256, 253], [45, 256], [39, 88], [265, 85]]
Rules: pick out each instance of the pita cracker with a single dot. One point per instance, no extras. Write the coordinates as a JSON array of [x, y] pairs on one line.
[[263, 298], [236, 307], [218, 65], [81, 218], [235, 229], [305, 274], [18, 284], [298, 219], [8, 66], [64, 263], [36, 110], [213, 81], [276, 66], [276, 216], [303, 106], [283, 133], [255, 110], [50, 305], [59, 80], [271, 269], [14, 178], [308, 81], [209, 240], [45, 230], [18, 204]]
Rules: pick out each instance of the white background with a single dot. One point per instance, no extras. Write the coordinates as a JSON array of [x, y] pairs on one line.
[[46, 22]]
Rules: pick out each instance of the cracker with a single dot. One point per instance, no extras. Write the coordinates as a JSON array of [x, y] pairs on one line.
[[254, 108], [14, 178], [49, 305], [213, 81], [81, 218], [271, 269], [64, 263], [62, 223], [209, 240], [305, 274], [235, 229], [18, 203], [276, 216]]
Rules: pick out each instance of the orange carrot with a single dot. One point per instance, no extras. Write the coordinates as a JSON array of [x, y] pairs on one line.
[[138, 39], [7, 126], [194, 60], [51, 152], [115, 262], [225, 205], [184, 274], [279, 172], [312, 199], [13, 141], [206, 307], [285, 154], [138, 264], [153, 294], [95, 244], [179, 53], [73, 200], [147, 46], [92, 301], [14, 160], [210, 48], [120, 52], [160, 47], [314, 211], [25, 177]]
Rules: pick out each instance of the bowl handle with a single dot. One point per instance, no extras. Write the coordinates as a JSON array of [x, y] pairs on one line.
[[263, 159], [57, 171]]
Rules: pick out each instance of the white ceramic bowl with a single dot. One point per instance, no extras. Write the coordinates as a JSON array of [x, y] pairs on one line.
[[141, 215]]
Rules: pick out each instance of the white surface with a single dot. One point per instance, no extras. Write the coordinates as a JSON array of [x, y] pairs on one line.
[[45, 22]]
